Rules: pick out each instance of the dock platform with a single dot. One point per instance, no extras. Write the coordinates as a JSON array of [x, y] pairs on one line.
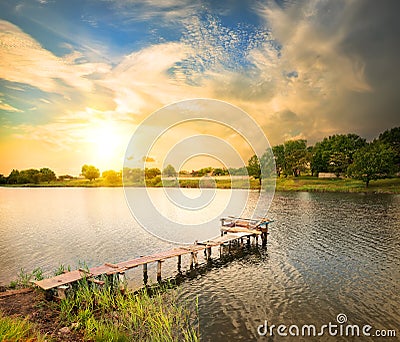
[[232, 229]]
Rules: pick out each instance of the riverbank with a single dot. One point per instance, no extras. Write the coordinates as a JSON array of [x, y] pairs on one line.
[[314, 184], [94, 314], [303, 183]]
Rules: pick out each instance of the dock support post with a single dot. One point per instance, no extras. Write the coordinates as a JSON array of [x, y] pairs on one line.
[[193, 260], [110, 280], [248, 240], [179, 263], [256, 240], [122, 281], [264, 239], [62, 291], [159, 270], [145, 276], [208, 254]]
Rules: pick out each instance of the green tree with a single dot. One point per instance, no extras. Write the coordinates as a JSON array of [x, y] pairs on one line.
[[47, 175], [29, 176], [169, 171], [220, 172], [112, 177], [90, 172], [151, 172], [202, 172], [335, 153], [373, 161], [391, 137], [240, 171], [134, 175], [279, 156], [295, 157], [13, 177], [254, 168]]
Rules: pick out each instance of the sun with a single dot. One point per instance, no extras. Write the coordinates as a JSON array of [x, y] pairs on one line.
[[108, 146]]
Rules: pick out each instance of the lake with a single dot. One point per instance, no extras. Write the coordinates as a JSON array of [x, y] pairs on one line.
[[327, 254]]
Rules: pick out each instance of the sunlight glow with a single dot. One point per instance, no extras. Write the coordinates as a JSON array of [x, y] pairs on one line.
[[108, 146]]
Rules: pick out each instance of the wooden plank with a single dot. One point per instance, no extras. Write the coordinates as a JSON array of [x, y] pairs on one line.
[[241, 230], [233, 233], [15, 292], [62, 279]]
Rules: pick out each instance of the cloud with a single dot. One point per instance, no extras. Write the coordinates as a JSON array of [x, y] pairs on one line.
[[147, 159], [315, 68], [24, 60], [142, 82], [167, 11], [336, 50], [8, 108], [210, 60]]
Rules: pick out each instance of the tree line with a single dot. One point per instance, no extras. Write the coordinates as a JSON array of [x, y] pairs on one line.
[[32, 176], [345, 155]]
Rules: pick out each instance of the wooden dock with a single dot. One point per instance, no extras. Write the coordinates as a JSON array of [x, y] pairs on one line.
[[232, 229]]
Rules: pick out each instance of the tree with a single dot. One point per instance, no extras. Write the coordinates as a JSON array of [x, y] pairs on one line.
[[112, 177], [90, 172], [135, 175], [279, 156], [240, 171], [29, 176], [254, 168], [152, 172], [169, 171], [391, 137], [295, 157], [335, 153], [372, 162], [47, 175], [220, 172], [202, 172], [13, 177]]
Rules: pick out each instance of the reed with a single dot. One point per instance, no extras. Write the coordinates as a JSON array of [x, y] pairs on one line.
[[16, 329], [106, 313]]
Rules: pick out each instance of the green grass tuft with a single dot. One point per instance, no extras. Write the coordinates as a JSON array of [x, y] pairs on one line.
[[107, 314], [16, 329], [311, 184]]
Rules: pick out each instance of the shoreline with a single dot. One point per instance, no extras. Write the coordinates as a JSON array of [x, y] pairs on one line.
[[289, 184]]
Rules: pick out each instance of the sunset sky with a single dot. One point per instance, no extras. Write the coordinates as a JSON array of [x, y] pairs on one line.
[[77, 77]]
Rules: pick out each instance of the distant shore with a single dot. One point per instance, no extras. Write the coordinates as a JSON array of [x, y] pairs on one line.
[[302, 183]]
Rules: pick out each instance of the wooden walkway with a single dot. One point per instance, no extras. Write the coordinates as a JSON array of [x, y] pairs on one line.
[[232, 229]]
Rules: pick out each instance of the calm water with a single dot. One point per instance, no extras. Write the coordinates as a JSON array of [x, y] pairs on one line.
[[327, 254]]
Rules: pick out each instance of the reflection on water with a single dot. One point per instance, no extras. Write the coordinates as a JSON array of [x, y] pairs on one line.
[[327, 254]]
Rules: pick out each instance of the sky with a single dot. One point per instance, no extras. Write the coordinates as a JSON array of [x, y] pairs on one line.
[[78, 77]]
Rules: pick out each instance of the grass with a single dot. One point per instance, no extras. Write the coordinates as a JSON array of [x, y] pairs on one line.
[[308, 183], [107, 314], [24, 278], [17, 329], [303, 183]]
